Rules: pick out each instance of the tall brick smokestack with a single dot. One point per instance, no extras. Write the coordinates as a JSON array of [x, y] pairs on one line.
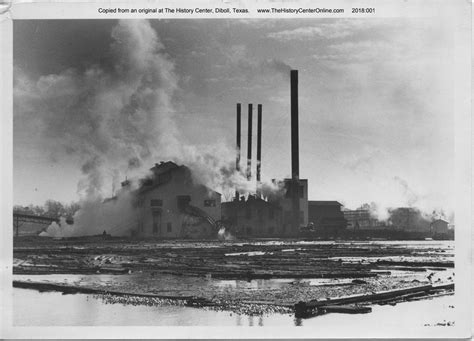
[[237, 160], [259, 145], [295, 158], [249, 145], [295, 162]]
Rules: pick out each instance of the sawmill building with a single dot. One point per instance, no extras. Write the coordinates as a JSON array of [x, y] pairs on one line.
[[169, 204]]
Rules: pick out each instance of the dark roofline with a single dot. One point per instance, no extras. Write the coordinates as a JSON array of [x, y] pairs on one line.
[[324, 202], [163, 163], [239, 202], [447, 222], [145, 189]]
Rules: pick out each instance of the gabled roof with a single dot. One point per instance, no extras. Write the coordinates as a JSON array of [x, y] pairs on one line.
[[163, 167], [168, 167]]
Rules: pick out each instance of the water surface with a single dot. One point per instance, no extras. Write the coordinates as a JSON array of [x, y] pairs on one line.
[[32, 308]]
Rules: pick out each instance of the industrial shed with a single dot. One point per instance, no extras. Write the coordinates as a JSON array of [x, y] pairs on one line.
[[326, 216], [253, 217]]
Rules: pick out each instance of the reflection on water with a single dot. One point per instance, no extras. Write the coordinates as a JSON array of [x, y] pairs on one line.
[[278, 283], [298, 321], [32, 308], [174, 282]]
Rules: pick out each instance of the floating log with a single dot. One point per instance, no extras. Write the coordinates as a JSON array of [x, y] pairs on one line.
[[406, 268], [305, 309], [359, 281], [111, 270], [345, 309], [199, 302], [417, 264], [70, 289]]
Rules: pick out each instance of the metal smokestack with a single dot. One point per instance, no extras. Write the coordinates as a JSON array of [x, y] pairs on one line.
[[259, 145], [295, 162], [295, 158], [237, 161], [249, 145]]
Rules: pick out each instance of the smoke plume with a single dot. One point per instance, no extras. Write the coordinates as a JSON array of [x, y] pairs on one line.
[[108, 119], [222, 234], [398, 193], [114, 216], [111, 120], [276, 65], [410, 195], [117, 121]]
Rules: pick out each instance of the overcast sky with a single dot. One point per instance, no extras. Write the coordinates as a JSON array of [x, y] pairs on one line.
[[376, 104]]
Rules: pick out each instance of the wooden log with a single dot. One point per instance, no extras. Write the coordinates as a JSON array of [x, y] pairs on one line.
[[304, 309], [345, 309], [104, 270], [379, 295], [417, 264], [266, 303], [64, 288]]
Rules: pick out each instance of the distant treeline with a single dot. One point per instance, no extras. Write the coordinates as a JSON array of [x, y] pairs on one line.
[[51, 208]]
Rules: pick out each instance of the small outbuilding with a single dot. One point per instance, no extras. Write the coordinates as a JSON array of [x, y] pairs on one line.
[[439, 226], [326, 217]]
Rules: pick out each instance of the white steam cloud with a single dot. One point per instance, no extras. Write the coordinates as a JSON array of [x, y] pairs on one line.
[[110, 120], [395, 193], [114, 216], [117, 121]]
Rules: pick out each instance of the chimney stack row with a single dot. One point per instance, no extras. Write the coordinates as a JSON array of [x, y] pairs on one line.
[[249, 142]]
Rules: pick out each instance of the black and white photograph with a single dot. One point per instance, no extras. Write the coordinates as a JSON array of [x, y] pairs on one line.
[[298, 174]]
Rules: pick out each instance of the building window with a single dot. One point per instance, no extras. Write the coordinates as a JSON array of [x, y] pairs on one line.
[[165, 177], [301, 191], [156, 217], [183, 201], [210, 203], [271, 230], [249, 230], [156, 202], [168, 227]]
